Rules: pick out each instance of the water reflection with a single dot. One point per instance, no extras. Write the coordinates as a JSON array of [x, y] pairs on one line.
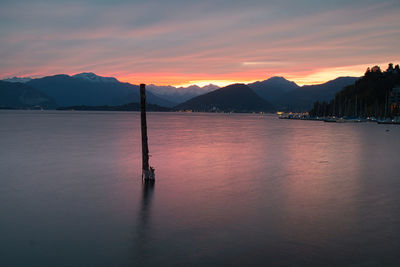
[[144, 221], [319, 195], [147, 196], [234, 190]]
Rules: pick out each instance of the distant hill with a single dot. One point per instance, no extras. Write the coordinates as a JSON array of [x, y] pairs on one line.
[[91, 90], [368, 96], [20, 96], [302, 98], [235, 97], [180, 94], [126, 107], [273, 89]]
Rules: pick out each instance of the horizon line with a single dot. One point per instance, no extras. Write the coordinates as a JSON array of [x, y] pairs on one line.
[[317, 77], [199, 83]]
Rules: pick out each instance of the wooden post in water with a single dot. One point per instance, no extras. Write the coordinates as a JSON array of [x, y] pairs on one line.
[[147, 171]]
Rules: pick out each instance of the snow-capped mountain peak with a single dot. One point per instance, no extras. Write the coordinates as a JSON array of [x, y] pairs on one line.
[[18, 79], [90, 76]]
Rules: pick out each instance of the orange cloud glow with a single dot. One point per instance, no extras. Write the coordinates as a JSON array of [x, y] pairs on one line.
[[182, 43]]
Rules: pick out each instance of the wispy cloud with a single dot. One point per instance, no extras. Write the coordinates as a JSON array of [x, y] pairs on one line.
[[182, 41]]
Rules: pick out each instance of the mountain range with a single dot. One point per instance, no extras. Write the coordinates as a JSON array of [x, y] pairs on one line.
[[92, 90], [273, 89], [19, 96], [232, 98], [303, 98], [180, 94], [89, 89], [17, 79]]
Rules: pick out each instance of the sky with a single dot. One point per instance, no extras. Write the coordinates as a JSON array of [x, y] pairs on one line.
[[183, 42]]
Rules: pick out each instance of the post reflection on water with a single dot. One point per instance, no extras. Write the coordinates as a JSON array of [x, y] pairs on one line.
[[144, 219]]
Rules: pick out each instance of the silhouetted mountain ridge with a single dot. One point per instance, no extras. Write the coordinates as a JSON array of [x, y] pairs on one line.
[[21, 96], [273, 88], [92, 91], [235, 98], [180, 94], [302, 98]]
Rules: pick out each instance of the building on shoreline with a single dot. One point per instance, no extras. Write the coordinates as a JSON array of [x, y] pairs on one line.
[[394, 98]]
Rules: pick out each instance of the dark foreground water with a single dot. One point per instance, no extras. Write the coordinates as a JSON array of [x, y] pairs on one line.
[[236, 190]]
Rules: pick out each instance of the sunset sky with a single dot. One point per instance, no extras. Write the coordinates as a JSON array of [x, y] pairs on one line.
[[181, 42]]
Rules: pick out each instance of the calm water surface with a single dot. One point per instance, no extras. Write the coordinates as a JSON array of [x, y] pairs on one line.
[[237, 190]]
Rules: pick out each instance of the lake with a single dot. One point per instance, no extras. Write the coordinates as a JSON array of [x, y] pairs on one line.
[[231, 190]]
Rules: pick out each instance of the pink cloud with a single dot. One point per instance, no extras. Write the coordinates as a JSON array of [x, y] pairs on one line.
[[193, 46]]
